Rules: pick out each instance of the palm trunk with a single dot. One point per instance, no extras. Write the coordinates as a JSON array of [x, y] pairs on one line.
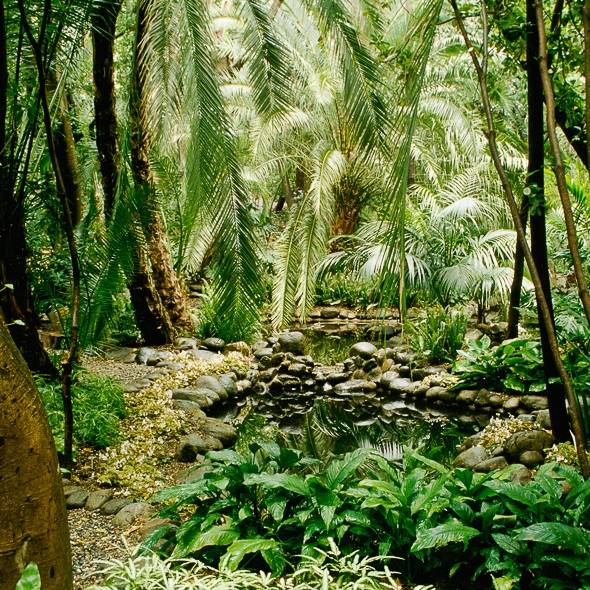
[[71, 356], [32, 510], [558, 167], [586, 20], [16, 304], [104, 22], [544, 309], [173, 298]]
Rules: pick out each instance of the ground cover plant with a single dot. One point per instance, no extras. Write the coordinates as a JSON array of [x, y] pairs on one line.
[[265, 509]]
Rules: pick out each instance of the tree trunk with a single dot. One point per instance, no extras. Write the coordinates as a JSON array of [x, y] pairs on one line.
[[544, 310], [536, 183], [348, 212], [16, 304], [104, 22], [32, 510], [169, 289]]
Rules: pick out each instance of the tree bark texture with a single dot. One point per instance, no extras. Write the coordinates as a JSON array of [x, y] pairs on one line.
[[32, 510], [536, 183], [104, 22], [544, 310], [173, 298], [17, 303]]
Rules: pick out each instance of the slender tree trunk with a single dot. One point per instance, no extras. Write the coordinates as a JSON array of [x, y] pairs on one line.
[[545, 314], [586, 19], [558, 166], [32, 510], [169, 289], [287, 194], [72, 353], [536, 184], [16, 304], [516, 288], [104, 23]]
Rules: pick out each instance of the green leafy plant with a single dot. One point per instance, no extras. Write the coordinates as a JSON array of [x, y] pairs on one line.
[[98, 405], [514, 366], [439, 336], [30, 578]]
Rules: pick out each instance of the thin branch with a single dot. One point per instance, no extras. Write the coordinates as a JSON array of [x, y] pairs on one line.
[[542, 301]]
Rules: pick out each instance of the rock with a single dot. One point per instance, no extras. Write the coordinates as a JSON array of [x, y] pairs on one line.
[[420, 390], [466, 397], [400, 385], [243, 385], [359, 375], [566, 488], [521, 476], [363, 349], [526, 417], [132, 512], [423, 372], [374, 374], [297, 369], [543, 419], [225, 433], [161, 355], [531, 459], [268, 376], [511, 403], [535, 402], [154, 524], [97, 499], [447, 396], [491, 464], [213, 444], [189, 447], [113, 506], [382, 314], [186, 405], [143, 354], [482, 398], [496, 401], [229, 385], [240, 347], [433, 392], [205, 355], [329, 313], [77, 499], [388, 377], [473, 335], [337, 377], [202, 397], [262, 352], [381, 332], [211, 383], [70, 489], [404, 357], [470, 458], [214, 344], [185, 343], [354, 386], [529, 440], [118, 354], [292, 342], [192, 474]]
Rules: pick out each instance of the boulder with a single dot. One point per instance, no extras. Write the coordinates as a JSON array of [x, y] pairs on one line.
[[365, 350], [354, 386], [143, 354], [329, 313], [202, 397], [189, 447], [118, 354], [470, 458], [529, 440], [531, 459], [188, 475], [228, 384], [292, 342], [447, 396], [543, 419], [97, 499], [535, 402], [185, 343], [466, 397], [491, 465], [211, 383], [521, 476], [186, 405], [511, 403], [154, 524], [214, 344], [400, 385], [132, 512], [482, 398], [77, 499], [262, 352], [113, 506], [240, 347], [434, 392], [223, 432]]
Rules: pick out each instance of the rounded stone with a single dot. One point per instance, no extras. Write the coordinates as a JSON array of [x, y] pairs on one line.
[[189, 447], [97, 499], [363, 349], [211, 383], [535, 402], [113, 506], [225, 433], [292, 342], [512, 403], [492, 464], [132, 512], [530, 440], [204, 355], [143, 354], [466, 396], [470, 458], [77, 499], [329, 313], [228, 384], [521, 476], [214, 344], [531, 459], [543, 419], [241, 347]]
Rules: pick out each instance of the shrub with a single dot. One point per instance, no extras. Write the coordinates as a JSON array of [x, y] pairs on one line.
[[98, 405], [439, 336]]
